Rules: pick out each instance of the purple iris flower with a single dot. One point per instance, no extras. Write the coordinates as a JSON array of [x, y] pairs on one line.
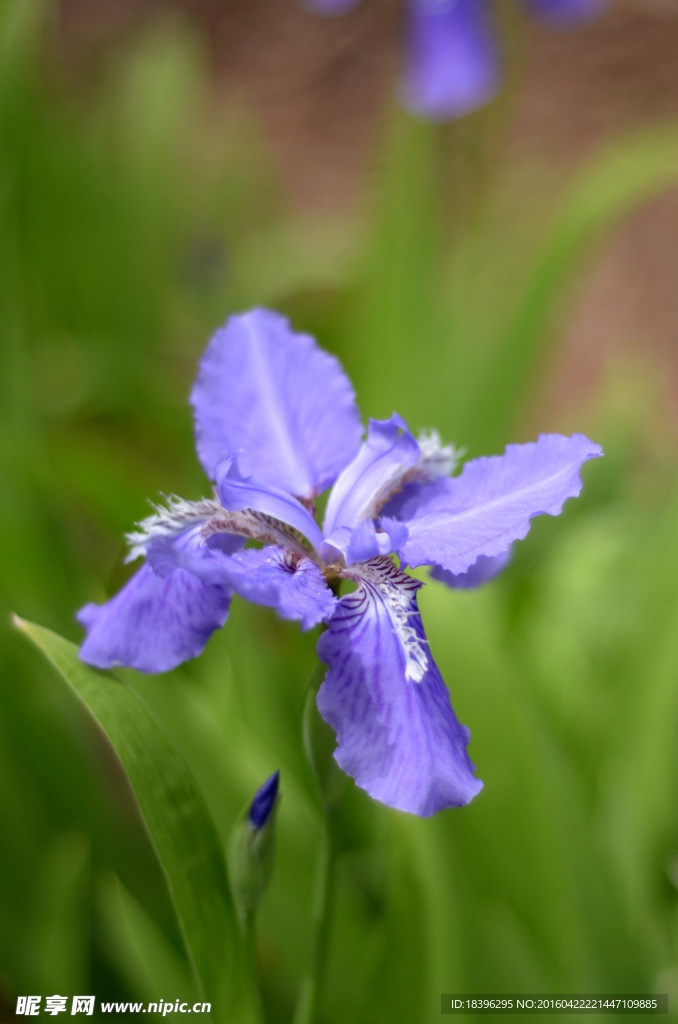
[[453, 64], [276, 425]]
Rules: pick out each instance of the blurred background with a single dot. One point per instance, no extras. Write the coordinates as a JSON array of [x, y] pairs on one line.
[[163, 164]]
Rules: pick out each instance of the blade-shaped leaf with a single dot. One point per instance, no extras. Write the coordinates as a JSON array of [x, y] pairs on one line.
[[177, 819]]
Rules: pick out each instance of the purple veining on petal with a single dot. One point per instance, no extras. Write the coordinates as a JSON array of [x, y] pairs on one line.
[[452, 59], [383, 694], [363, 486], [294, 586], [277, 398], [452, 522], [482, 571], [252, 525], [567, 13], [156, 622], [238, 492]]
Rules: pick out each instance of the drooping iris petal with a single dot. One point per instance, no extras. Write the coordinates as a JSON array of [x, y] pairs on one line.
[[364, 484], [277, 398], [156, 622], [294, 586], [452, 59], [383, 694], [453, 522], [173, 521], [274, 576], [482, 571], [566, 13], [238, 492]]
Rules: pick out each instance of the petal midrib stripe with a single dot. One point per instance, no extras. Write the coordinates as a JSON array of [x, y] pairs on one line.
[[280, 425], [440, 517]]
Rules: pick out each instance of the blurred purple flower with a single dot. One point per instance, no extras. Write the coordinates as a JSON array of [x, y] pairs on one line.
[[277, 424], [453, 64]]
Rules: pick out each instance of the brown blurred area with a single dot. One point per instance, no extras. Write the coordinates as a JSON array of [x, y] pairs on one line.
[[318, 86]]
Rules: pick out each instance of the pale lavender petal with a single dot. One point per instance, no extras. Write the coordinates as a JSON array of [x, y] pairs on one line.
[[238, 492], [482, 571], [452, 61], [156, 622], [567, 13], [383, 694], [365, 541], [364, 484], [453, 522], [273, 395], [294, 586]]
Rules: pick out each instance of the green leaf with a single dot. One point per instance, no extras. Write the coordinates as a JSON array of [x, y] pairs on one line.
[[142, 952], [177, 819]]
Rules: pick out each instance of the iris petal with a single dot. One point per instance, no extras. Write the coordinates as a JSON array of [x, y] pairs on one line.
[[294, 586], [364, 541], [383, 694], [364, 484], [156, 622], [273, 395], [453, 522], [484, 569], [452, 59], [238, 492]]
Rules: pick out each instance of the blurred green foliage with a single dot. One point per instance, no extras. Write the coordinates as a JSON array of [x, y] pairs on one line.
[[130, 225]]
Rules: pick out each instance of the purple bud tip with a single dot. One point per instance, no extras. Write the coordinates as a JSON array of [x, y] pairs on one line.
[[263, 802]]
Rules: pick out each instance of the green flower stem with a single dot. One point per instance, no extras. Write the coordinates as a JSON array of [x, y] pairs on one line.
[[250, 936], [311, 985]]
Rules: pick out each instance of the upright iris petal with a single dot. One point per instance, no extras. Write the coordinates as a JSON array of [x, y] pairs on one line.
[[383, 694], [363, 486], [279, 400], [452, 60]]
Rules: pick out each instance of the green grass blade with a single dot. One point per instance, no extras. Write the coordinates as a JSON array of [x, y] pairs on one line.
[[177, 819]]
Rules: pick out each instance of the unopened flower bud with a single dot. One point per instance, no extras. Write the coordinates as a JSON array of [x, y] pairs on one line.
[[253, 846]]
